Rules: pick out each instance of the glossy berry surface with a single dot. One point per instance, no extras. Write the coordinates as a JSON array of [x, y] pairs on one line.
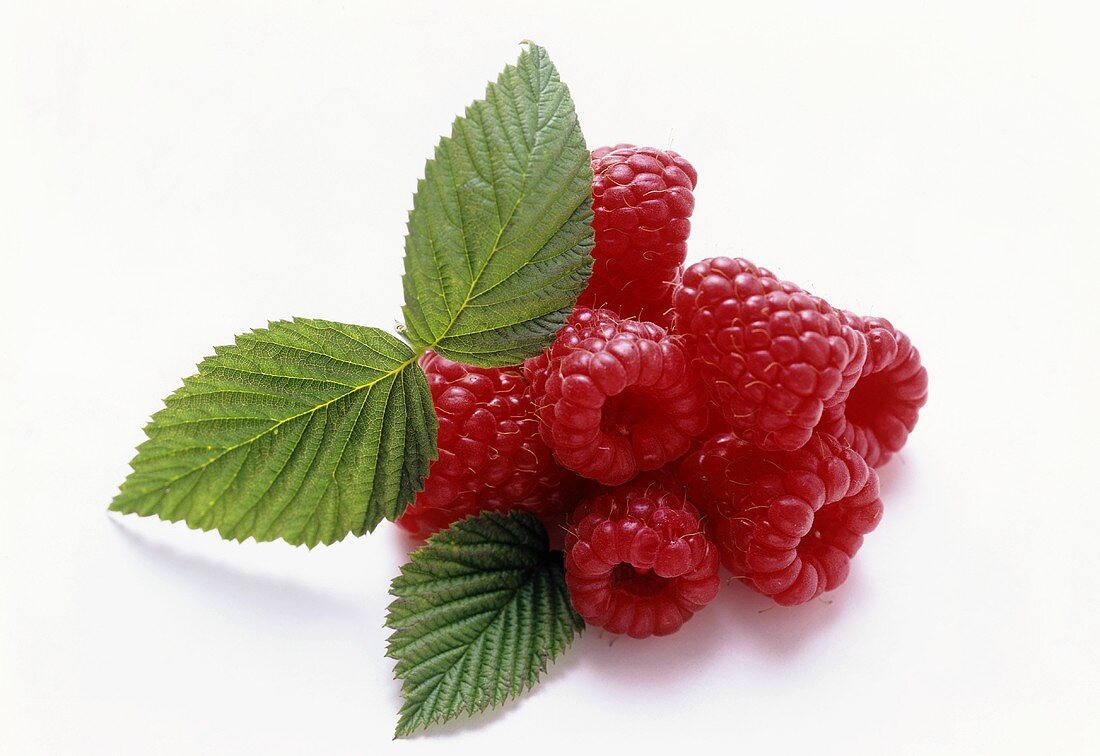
[[637, 560], [772, 355], [642, 201], [616, 397], [491, 456], [786, 523], [878, 414]]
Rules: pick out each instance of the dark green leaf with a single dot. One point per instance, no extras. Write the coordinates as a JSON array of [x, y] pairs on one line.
[[500, 232], [478, 613], [306, 431]]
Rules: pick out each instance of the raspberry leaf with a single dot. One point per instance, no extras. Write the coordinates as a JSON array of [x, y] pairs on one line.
[[478, 613], [306, 430], [500, 232]]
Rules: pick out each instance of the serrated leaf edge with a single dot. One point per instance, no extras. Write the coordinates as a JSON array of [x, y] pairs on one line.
[[395, 374], [556, 317], [543, 656]]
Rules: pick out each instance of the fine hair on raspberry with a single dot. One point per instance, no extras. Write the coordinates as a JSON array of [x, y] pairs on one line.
[[642, 199], [787, 523], [772, 355], [637, 560], [616, 396], [878, 414]]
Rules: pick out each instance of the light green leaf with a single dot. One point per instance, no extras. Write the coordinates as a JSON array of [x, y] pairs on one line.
[[306, 431], [500, 232], [479, 611]]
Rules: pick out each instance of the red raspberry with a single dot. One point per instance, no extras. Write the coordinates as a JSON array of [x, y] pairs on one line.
[[616, 396], [637, 561], [773, 355], [491, 456], [641, 200], [786, 523], [881, 410]]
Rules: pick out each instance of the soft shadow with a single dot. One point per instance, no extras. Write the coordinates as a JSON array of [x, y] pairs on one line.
[[737, 622], [231, 585]]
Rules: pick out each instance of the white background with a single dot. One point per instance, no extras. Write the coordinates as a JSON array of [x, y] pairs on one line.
[[171, 175]]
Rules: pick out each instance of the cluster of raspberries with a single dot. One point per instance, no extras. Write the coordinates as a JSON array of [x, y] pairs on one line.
[[682, 419]]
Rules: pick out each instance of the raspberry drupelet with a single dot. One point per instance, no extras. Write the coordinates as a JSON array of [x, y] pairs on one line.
[[772, 355], [786, 523], [616, 397], [641, 202], [491, 456], [881, 410], [637, 560]]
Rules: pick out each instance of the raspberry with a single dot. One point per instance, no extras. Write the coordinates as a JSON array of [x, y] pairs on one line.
[[616, 396], [786, 523], [491, 456], [881, 410], [773, 355], [637, 561], [641, 200]]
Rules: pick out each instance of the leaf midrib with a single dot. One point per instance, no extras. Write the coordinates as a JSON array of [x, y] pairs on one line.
[[469, 297], [370, 384], [417, 706]]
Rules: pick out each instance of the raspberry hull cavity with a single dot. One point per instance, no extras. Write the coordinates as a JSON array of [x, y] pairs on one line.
[[637, 561], [881, 410], [786, 523], [616, 397]]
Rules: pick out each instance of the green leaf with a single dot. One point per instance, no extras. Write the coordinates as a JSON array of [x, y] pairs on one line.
[[306, 431], [500, 232], [479, 611]]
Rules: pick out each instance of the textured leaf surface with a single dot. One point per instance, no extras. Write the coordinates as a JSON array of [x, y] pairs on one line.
[[306, 431], [500, 232], [478, 612]]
